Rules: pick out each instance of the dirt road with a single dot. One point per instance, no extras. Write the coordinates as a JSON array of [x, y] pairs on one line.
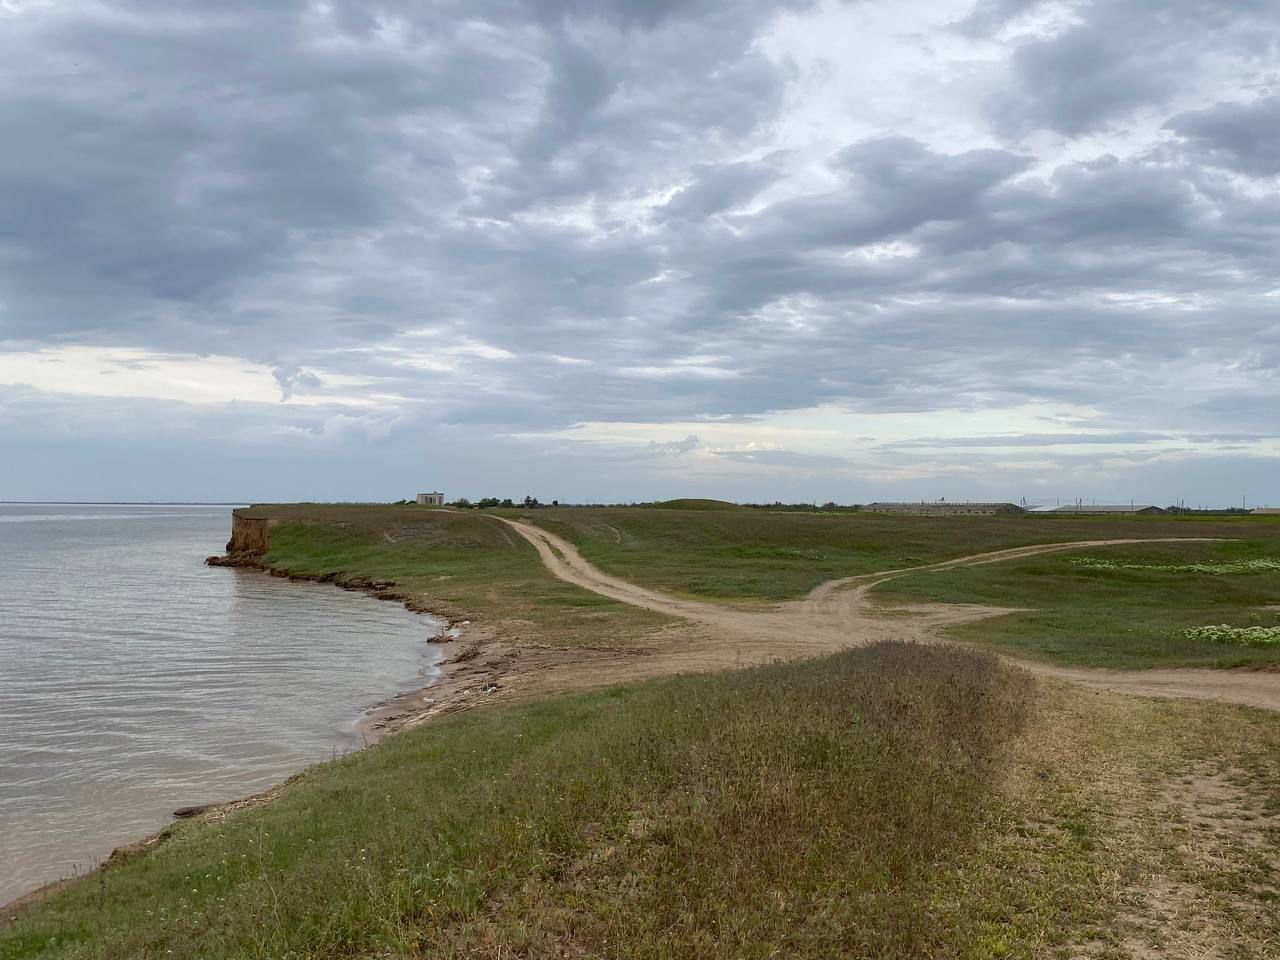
[[837, 614]]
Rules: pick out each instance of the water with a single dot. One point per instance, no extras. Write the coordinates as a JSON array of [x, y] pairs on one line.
[[134, 679]]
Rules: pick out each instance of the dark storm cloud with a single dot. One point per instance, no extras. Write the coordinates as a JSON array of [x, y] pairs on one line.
[[196, 160], [717, 189], [581, 211], [1121, 56], [1239, 136], [894, 185]]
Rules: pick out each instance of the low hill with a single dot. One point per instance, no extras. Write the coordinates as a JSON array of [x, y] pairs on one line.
[[695, 504]]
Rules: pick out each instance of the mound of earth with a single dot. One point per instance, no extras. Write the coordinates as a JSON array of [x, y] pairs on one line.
[[694, 504]]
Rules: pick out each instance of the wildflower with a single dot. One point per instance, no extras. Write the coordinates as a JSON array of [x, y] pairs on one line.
[[1225, 633], [1214, 567]]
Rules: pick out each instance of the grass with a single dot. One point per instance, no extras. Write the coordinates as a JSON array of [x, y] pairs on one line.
[[688, 503], [465, 564], [734, 554], [1120, 819], [751, 556], [891, 802], [472, 564], [730, 815], [1113, 617]]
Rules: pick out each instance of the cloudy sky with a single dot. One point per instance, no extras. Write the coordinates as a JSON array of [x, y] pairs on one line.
[[626, 249]]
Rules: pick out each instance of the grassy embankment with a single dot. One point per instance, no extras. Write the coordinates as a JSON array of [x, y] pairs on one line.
[[891, 802], [470, 563], [464, 564]]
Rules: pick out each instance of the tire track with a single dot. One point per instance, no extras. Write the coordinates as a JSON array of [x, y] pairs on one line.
[[837, 614]]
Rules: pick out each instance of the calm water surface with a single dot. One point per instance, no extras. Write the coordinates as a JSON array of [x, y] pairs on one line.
[[134, 679]]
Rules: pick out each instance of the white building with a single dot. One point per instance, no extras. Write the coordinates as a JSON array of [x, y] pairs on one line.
[[434, 499]]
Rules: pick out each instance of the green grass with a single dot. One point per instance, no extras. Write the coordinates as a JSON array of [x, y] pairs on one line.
[[891, 802], [778, 809], [1112, 617], [757, 555], [695, 504], [465, 564], [472, 564]]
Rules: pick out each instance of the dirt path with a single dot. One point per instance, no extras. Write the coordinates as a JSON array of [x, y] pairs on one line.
[[706, 636], [837, 614]]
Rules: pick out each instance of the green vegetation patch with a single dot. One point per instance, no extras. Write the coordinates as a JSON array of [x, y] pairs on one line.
[[465, 563], [695, 504], [745, 555], [1225, 633], [890, 802], [1217, 568], [1143, 605], [803, 811]]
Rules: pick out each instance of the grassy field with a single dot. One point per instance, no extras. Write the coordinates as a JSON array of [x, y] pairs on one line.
[[1120, 613], [467, 564], [695, 504], [894, 802], [756, 555], [472, 564]]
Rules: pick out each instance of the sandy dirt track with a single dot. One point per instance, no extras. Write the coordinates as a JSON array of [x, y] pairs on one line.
[[838, 614]]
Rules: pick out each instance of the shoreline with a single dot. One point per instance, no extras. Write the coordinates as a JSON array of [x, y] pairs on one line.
[[476, 664], [457, 685]]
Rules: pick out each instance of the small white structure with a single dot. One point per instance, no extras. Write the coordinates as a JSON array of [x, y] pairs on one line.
[[434, 499]]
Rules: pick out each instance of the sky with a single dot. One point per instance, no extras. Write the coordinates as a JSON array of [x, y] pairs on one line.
[[797, 250]]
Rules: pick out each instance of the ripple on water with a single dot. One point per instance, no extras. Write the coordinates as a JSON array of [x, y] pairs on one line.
[[136, 679]]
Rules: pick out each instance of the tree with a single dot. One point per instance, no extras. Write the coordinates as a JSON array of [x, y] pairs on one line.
[[506, 502], [531, 502]]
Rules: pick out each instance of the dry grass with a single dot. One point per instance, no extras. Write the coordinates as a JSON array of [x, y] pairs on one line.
[[801, 810], [1153, 823], [891, 802]]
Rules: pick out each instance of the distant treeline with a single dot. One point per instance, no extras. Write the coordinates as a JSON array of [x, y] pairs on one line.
[[533, 503], [463, 503], [1208, 511]]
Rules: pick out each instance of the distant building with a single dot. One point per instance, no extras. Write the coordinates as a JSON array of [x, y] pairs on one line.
[[434, 499], [943, 508], [1265, 512], [1102, 509]]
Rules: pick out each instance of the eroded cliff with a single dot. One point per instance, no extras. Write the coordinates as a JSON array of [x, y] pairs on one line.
[[250, 540]]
